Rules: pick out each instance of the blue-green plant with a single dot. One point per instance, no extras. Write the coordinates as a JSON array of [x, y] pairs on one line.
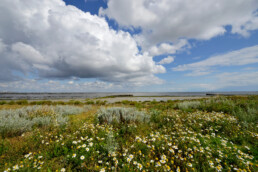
[[18, 121], [121, 115]]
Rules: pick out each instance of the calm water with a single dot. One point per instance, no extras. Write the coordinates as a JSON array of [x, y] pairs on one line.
[[43, 96]]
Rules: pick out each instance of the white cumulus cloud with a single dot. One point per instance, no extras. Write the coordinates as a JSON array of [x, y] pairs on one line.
[[168, 48], [166, 60], [165, 21], [48, 39]]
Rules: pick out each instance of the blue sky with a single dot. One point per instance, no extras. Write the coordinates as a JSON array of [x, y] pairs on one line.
[[121, 45]]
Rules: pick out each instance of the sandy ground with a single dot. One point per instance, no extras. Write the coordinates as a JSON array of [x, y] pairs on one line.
[[118, 99]]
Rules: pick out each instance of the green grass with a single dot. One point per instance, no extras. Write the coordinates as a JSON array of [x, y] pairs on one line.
[[202, 135]]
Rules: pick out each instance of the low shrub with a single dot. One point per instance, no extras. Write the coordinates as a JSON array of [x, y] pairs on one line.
[[89, 102], [99, 102], [155, 116], [244, 108], [188, 105], [69, 110], [17, 121], [121, 115], [3, 102], [11, 102], [22, 102], [42, 102]]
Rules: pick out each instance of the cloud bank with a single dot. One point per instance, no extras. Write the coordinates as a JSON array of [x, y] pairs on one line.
[[32, 85], [231, 80]]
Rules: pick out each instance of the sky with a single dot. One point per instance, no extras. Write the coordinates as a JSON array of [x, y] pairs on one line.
[[128, 45]]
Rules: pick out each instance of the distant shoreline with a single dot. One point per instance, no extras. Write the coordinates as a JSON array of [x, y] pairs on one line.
[[102, 95]]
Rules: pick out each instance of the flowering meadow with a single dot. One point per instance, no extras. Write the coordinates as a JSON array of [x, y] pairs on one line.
[[200, 135]]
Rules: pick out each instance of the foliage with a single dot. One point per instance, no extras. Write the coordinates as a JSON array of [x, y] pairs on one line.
[[244, 108], [193, 139], [185, 105], [18, 121], [121, 115]]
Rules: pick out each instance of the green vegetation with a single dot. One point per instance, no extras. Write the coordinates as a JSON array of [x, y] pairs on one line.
[[216, 134], [114, 96], [244, 108], [121, 116], [17, 121], [48, 102]]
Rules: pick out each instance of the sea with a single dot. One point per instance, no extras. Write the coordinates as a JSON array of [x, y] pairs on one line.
[[85, 95]]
